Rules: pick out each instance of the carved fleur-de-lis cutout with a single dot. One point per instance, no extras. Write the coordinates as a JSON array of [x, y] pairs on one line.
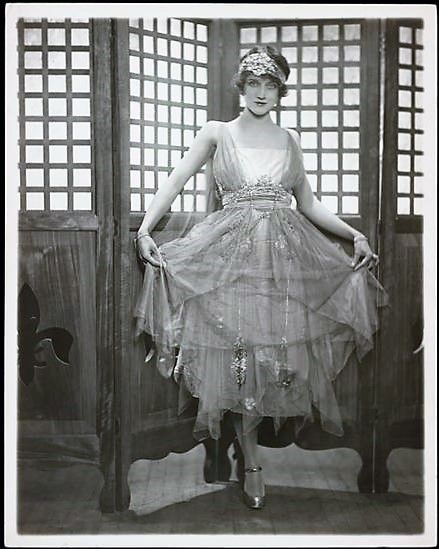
[[33, 344]]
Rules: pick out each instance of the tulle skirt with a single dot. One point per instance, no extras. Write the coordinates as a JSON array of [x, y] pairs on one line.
[[264, 310]]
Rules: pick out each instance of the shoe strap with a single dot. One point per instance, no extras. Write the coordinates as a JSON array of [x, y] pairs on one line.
[[253, 469]]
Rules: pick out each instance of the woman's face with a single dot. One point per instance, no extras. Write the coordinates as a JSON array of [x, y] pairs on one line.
[[261, 94]]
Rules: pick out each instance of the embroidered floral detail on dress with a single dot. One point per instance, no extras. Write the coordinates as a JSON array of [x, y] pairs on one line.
[[261, 187], [239, 363]]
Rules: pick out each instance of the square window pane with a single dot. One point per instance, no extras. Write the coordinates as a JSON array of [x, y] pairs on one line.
[[162, 92], [175, 71], [82, 201], [352, 32], [330, 97], [309, 97], [293, 77], [148, 156], [352, 53], [201, 54], [309, 32], [58, 201], [33, 60], [162, 136], [201, 96], [188, 52], [350, 204], [403, 163], [289, 34], [135, 110], [175, 93], [148, 67], [81, 60], [162, 113], [34, 178], [34, 201], [351, 140], [134, 156], [162, 69], [175, 49], [329, 183], [34, 130], [32, 37], [351, 96], [57, 107], [331, 32], [148, 134], [330, 75], [268, 34], [351, 118], [419, 96], [82, 177], [188, 30], [418, 206], [201, 75], [134, 41], [403, 184], [56, 37], [56, 60], [148, 111], [80, 107], [405, 77], [202, 33], [404, 98], [288, 119], [188, 95], [351, 161], [201, 117], [312, 180], [330, 140], [135, 202], [80, 83], [34, 154], [405, 34], [57, 83], [81, 154], [352, 75], [81, 130], [309, 76], [331, 54], [33, 83], [403, 205], [419, 57], [135, 179], [247, 35], [308, 119], [57, 130], [188, 202], [308, 140], [80, 37], [418, 185], [57, 177], [176, 115], [405, 56], [351, 183], [57, 154], [134, 64], [419, 163], [419, 121], [189, 117], [404, 120], [148, 89], [309, 55], [329, 161], [329, 118], [404, 141], [188, 137], [419, 142], [162, 157], [33, 107], [290, 100], [176, 157]]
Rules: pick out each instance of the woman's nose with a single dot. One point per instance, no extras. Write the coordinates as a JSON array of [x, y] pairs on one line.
[[261, 91]]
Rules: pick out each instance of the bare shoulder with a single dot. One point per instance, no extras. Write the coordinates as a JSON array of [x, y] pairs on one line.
[[294, 134], [210, 131]]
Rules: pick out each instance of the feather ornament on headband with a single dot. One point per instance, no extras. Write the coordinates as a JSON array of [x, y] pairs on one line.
[[260, 63]]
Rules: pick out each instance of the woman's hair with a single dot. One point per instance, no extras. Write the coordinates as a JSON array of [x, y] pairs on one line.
[[240, 78]]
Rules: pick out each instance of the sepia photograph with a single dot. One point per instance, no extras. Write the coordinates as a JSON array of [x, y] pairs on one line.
[[220, 275]]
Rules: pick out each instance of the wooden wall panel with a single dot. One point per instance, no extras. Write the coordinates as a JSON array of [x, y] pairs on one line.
[[56, 267]]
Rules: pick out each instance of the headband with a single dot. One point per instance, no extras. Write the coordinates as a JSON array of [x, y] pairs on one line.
[[260, 63]]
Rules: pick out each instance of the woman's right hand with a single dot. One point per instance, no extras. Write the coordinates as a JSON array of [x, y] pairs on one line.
[[148, 251]]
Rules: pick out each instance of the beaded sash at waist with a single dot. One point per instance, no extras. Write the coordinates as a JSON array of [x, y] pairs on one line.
[[262, 192]]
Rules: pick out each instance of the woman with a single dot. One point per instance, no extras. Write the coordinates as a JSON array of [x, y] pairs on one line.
[[264, 309]]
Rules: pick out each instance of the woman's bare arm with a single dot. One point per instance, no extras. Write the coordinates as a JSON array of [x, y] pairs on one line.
[[192, 161]]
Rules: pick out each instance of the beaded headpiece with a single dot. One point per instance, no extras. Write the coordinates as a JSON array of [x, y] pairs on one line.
[[260, 63]]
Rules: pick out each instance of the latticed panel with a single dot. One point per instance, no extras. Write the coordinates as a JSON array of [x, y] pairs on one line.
[[410, 124], [168, 104], [323, 101], [54, 115]]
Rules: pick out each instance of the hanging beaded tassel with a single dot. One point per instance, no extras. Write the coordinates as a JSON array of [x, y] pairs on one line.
[[284, 379], [239, 363]]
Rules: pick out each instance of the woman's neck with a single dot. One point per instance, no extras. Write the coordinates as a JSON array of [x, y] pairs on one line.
[[247, 119]]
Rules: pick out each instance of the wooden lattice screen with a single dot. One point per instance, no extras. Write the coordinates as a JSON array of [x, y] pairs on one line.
[[54, 115], [168, 104], [323, 102]]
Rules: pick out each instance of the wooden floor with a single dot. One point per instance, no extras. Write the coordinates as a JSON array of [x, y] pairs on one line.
[[308, 492]]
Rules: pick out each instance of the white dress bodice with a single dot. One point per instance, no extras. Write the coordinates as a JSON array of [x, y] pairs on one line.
[[262, 162]]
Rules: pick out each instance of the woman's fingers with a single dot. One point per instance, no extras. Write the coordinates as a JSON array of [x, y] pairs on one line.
[[149, 258], [369, 260]]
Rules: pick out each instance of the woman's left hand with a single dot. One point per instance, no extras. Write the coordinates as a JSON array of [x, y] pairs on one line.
[[362, 250]]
